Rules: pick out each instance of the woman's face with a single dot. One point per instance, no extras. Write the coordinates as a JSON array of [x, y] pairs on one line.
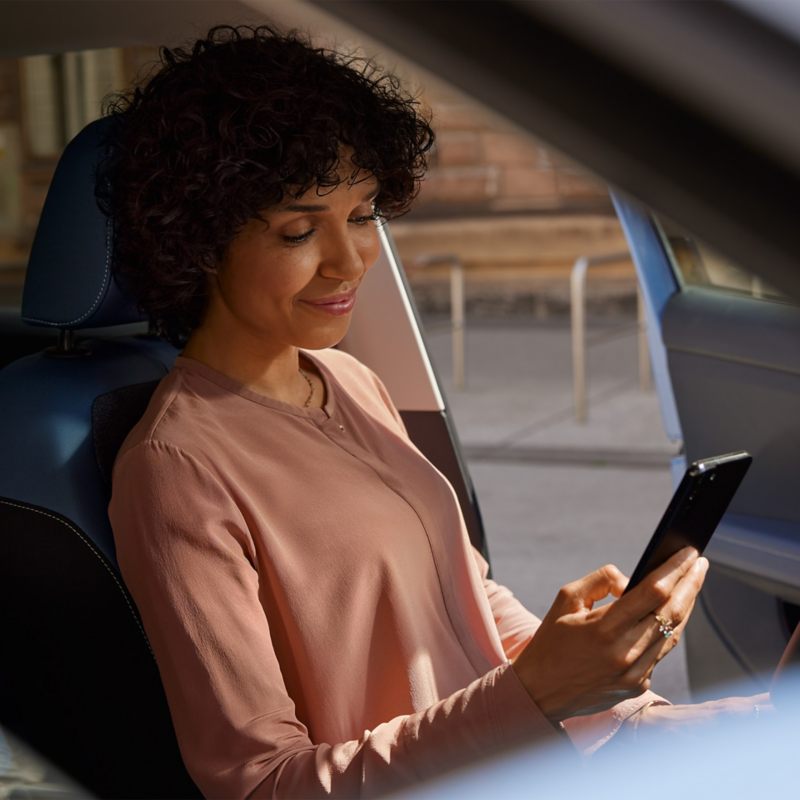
[[291, 279]]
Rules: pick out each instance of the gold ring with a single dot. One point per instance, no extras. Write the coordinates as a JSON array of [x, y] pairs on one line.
[[665, 626]]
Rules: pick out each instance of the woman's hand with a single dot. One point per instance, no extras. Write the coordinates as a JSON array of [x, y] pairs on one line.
[[584, 659], [698, 719]]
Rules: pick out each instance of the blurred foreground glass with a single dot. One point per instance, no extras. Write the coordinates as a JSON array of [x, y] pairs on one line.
[[25, 774], [753, 758]]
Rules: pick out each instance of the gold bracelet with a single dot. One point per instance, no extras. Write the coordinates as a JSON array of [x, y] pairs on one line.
[[638, 719]]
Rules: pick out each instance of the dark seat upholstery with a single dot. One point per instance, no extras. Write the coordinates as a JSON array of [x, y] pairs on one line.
[[78, 680]]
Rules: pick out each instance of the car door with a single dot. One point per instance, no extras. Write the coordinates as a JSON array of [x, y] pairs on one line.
[[725, 349]]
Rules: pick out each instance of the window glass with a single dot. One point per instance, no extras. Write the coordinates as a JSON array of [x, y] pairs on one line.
[[42, 103], [88, 77], [63, 93], [697, 264], [10, 169]]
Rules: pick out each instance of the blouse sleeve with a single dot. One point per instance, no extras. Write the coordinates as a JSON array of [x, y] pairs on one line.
[[188, 559], [517, 626]]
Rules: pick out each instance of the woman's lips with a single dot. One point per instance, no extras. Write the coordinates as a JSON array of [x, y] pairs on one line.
[[336, 305]]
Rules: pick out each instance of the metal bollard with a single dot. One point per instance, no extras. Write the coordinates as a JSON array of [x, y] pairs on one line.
[[645, 373], [577, 296], [457, 309]]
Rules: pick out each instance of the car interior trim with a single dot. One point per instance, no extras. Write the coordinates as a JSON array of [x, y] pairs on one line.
[[748, 362], [385, 334], [68, 282], [435, 436], [703, 603], [716, 319], [658, 285], [85, 539], [766, 548], [83, 317]]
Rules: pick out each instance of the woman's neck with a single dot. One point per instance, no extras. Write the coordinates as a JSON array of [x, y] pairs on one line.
[[273, 371]]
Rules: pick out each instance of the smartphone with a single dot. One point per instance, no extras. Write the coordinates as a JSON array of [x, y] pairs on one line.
[[696, 508]]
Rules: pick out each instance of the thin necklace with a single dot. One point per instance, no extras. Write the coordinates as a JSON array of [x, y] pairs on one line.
[[308, 402]]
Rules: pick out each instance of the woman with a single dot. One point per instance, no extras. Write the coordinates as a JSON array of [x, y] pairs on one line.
[[321, 624]]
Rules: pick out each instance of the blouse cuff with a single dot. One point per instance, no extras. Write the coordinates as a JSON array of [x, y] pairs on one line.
[[590, 733], [518, 719]]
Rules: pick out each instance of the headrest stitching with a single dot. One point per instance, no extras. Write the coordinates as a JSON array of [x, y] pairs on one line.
[[97, 299], [91, 547]]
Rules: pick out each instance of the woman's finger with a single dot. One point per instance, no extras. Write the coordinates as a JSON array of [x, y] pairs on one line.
[[655, 635], [703, 718], [681, 602], [654, 643], [677, 609], [592, 588], [656, 588], [647, 645]]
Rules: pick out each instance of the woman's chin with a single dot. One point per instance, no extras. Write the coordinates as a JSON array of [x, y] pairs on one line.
[[321, 340]]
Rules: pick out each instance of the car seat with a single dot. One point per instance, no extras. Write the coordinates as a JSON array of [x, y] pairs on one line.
[[78, 680]]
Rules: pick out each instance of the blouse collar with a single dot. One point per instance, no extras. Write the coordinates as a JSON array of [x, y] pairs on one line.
[[231, 385]]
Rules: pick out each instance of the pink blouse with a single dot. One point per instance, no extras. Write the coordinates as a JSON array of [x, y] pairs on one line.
[[323, 627]]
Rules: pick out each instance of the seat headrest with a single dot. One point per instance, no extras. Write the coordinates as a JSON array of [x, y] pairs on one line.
[[68, 283]]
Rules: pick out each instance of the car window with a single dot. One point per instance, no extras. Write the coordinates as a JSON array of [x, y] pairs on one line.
[[697, 264], [44, 101], [63, 93]]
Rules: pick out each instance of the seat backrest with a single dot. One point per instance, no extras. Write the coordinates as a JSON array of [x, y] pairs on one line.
[[78, 680]]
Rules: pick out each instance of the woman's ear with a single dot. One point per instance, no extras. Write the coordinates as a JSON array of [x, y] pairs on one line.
[[219, 262], [210, 269]]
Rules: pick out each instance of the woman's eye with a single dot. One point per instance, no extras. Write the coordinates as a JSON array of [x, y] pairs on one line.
[[364, 219], [299, 238]]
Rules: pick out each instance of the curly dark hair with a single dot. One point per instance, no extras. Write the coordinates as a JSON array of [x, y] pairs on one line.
[[229, 127]]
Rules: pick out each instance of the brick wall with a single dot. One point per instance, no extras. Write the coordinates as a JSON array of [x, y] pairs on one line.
[[482, 164], [516, 213]]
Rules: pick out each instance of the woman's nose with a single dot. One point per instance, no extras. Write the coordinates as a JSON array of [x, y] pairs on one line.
[[346, 257]]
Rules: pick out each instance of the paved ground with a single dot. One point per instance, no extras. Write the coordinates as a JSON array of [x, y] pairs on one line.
[[559, 499]]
